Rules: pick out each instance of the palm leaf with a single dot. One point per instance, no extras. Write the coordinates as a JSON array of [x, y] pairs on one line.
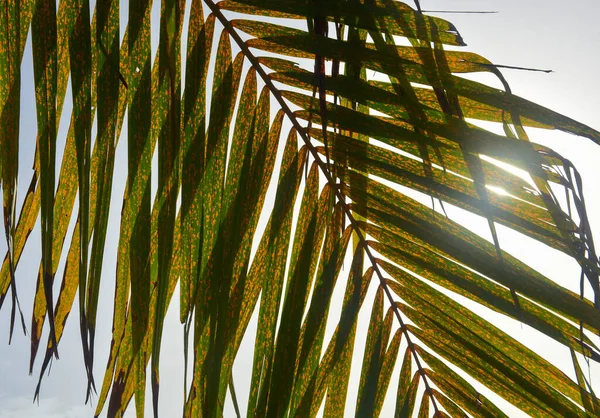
[[281, 180]]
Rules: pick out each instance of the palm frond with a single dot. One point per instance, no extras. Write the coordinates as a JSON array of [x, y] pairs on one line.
[[304, 152]]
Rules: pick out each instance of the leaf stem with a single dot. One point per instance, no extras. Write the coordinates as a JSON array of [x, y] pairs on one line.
[[347, 211]]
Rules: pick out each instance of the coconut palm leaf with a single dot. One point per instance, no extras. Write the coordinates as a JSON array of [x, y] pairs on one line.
[[304, 151]]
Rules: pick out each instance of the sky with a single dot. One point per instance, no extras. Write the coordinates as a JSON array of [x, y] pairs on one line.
[[537, 34]]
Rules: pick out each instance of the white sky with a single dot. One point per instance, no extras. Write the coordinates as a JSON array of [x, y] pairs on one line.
[[539, 34]]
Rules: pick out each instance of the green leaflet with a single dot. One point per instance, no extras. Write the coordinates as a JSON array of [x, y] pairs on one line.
[[231, 229], [110, 104], [137, 210], [288, 41], [464, 282], [384, 126], [393, 104], [368, 377], [424, 408], [447, 236], [65, 198], [527, 218], [65, 25], [80, 55], [125, 379], [349, 13], [192, 149], [515, 388], [122, 279], [210, 293], [458, 389], [384, 97], [168, 125], [519, 106], [121, 345], [10, 96], [278, 240], [305, 395], [306, 245], [451, 407], [405, 404], [63, 208], [67, 181], [484, 330], [192, 160], [388, 361], [343, 340], [404, 383], [281, 39], [246, 286], [66, 297], [315, 379], [27, 217], [589, 400], [399, 134], [45, 72]]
